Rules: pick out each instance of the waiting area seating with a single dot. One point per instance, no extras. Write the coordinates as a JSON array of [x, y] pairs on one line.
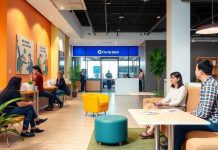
[[15, 120], [111, 129], [196, 140], [95, 102]]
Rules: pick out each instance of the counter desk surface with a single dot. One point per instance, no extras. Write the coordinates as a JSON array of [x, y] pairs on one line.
[[124, 86]]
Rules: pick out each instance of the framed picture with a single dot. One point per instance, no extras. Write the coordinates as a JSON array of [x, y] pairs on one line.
[[42, 58], [24, 56]]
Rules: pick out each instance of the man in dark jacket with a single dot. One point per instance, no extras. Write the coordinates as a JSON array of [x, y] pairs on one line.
[[82, 80]]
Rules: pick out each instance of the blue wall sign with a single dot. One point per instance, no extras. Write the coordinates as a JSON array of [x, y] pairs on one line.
[[105, 51]]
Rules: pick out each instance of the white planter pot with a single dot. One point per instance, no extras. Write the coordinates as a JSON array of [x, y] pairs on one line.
[[30, 87]]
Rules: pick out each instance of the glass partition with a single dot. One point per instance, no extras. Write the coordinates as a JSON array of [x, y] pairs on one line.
[[93, 68], [93, 65], [128, 67], [133, 66]]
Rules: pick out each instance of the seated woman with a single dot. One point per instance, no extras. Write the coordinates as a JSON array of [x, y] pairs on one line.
[[61, 85], [175, 98], [21, 107], [37, 77]]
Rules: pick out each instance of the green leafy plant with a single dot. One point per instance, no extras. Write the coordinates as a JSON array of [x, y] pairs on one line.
[[30, 82], [157, 60], [6, 120], [75, 76], [159, 93]]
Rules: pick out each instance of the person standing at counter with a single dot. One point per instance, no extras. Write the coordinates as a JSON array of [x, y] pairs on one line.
[[109, 80], [141, 77], [82, 80]]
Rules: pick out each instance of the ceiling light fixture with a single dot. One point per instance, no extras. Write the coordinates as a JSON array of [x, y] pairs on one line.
[[145, 0], [209, 28], [62, 7], [108, 3], [121, 16], [158, 17]]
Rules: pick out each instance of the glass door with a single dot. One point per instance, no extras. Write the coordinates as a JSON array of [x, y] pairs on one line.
[[109, 73]]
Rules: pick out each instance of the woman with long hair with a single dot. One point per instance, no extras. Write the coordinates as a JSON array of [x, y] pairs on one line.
[[176, 98], [25, 108], [37, 77], [61, 85]]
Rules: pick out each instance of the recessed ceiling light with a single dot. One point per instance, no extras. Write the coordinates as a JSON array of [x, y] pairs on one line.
[[121, 17], [108, 3], [62, 7], [158, 17], [67, 31]]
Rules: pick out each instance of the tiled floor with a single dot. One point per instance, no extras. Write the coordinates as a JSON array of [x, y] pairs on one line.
[[68, 128]]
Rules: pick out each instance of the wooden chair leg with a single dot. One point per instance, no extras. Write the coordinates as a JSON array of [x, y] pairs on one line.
[[93, 115]]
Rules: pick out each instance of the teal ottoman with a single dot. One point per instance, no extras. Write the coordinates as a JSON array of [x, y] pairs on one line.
[[111, 129]]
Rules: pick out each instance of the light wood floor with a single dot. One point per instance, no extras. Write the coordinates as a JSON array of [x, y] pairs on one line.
[[68, 128]]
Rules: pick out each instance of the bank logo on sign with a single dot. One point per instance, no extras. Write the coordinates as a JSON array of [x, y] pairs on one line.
[[99, 52], [105, 51]]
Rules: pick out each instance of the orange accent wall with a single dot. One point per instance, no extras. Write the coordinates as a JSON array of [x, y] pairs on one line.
[[23, 19], [3, 43]]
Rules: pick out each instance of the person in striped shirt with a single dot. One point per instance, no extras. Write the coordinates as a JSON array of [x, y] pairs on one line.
[[208, 105]]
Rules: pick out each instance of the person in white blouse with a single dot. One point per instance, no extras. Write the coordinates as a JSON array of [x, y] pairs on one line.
[[176, 97]]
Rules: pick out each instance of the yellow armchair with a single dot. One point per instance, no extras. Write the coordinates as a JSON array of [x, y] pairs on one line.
[[95, 102]]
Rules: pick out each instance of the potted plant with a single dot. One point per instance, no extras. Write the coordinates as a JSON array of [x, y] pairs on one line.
[[157, 60], [75, 76], [6, 120], [30, 86]]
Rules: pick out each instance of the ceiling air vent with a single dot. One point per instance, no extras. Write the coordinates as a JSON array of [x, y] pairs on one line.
[[69, 4]]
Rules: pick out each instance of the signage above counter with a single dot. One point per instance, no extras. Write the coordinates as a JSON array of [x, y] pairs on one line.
[[112, 51]]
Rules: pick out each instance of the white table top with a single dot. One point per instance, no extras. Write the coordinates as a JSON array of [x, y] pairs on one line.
[[165, 117], [142, 93]]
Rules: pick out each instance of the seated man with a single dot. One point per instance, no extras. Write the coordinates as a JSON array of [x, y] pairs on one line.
[[207, 107]]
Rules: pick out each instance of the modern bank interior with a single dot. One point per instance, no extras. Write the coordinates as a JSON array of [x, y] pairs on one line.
[[99, 47]]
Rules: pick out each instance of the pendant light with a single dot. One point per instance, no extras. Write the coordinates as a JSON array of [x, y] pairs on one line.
[[210, 28]]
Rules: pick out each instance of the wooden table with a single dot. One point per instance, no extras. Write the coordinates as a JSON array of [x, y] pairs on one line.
[[49, 87], [35, 94], [169, 117], [141, 94]]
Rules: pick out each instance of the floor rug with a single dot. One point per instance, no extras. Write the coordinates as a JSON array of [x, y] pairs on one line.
[[134, 142]]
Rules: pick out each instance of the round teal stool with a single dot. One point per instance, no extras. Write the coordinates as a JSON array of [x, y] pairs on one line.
[[111, 129]]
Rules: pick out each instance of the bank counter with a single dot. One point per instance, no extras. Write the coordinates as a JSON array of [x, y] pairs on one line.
[[125, 86], [93, 85]]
